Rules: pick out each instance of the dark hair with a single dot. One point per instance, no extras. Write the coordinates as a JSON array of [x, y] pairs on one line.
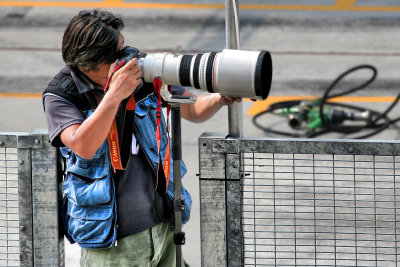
[[91, 38]]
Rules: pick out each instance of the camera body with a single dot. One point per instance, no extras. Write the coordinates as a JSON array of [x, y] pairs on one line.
[[235, 73], [128, 53]]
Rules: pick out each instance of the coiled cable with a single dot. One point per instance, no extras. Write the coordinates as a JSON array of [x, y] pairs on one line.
[[379, 122]]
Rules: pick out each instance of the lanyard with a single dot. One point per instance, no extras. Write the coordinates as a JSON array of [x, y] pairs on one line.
[[112, 138], [113, 141], [157, 83]]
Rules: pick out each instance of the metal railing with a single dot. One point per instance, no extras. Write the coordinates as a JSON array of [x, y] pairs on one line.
[[293, 202], [29, 223], [299, 202]]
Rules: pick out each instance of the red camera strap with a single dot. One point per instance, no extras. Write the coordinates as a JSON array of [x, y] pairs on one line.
[[113, 141], [112, 138], [157, 83]]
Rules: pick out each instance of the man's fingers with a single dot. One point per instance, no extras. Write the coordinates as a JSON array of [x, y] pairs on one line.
[[139, 75], [131, 68], [130, 64], [228, 100]]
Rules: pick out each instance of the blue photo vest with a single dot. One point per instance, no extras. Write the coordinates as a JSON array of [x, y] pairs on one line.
[[90, 214]]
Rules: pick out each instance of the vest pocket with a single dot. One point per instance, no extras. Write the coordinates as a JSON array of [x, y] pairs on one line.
[[84, 191], [92, 224], [89, 206], [88, 183]]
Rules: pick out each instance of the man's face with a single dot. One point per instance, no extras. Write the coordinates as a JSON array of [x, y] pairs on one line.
[[103, 71]]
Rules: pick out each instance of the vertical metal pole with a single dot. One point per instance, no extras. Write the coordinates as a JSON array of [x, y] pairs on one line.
[[235, 117], [48, 244], [235, 111], [179, 236], [234, 232], [38, 172], [212, 202], [25, 207]]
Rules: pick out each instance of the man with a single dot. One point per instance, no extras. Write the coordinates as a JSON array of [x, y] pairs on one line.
[[102, 204]]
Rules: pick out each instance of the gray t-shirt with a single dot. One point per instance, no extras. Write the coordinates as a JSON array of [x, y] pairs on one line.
[[139, 207], [61, 114]]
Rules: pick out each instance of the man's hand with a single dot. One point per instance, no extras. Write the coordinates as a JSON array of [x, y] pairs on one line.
[[227, 100], [125, 80], [86, 138], [205, 106]]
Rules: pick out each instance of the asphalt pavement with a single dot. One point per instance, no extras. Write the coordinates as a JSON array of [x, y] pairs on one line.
[[309, 49]]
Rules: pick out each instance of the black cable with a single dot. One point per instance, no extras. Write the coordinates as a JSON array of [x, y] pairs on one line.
[[353, 129], [326, 95], [268, 130], [329, 127], [272, 108]]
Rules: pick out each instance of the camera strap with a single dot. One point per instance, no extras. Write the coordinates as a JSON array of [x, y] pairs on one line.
[[166, 166], [113, 139], [118, 162]]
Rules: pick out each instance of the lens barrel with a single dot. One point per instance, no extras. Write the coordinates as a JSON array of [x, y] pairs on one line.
[[236, 73]]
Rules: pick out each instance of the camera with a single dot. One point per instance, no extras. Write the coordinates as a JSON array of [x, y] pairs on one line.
[[235, 73]]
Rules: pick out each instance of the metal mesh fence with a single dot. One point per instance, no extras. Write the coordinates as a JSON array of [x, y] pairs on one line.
[[320, 210], [9, 214]]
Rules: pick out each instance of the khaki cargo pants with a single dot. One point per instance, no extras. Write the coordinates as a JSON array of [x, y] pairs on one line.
[[152, 247]]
